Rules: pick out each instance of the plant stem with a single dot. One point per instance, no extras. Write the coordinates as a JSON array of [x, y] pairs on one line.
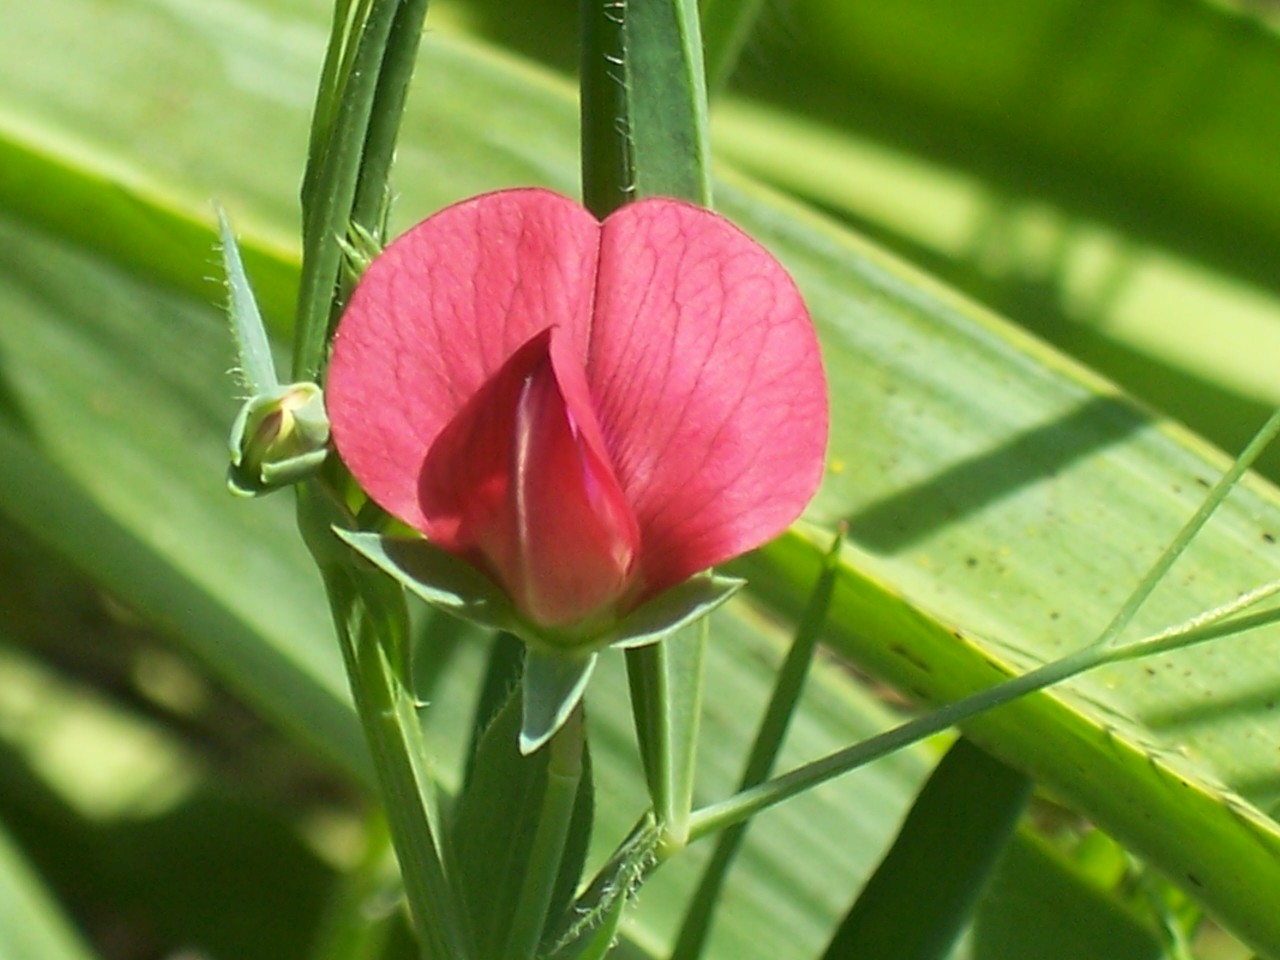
[[336, 167], [1193, 526], [369, 205], [607, 174], [564, 771], [666, 101], [750, 802], [1210, 625], [371, 618]]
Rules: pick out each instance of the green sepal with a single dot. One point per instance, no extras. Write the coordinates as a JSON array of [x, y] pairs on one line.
[[438, 577], [359, 249], [279, 437], [554, 682], [453, 585], [670, 610]]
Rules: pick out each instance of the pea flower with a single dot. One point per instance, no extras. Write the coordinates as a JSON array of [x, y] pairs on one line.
[[588, 413]]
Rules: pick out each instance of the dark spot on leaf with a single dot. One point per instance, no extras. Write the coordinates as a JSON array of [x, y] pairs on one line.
[[1194, 879], [970, 562], [1203, 482], [911, 658], [1268, 537]]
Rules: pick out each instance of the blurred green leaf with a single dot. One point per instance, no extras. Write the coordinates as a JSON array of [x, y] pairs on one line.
[[922, 893], [1097, 171], [108, 383], [31, 925], [147, 850]]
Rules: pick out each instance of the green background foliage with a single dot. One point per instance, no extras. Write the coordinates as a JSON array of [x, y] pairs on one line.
[[1099, 173]]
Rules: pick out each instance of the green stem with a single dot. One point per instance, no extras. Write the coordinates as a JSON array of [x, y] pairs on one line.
[[371, 618], [750, 802], [1211, 625], [369, 205], [331, 189], [666, 101], [666, 699], [607, 174], [564, 772], [332, 77], [1193, 526]]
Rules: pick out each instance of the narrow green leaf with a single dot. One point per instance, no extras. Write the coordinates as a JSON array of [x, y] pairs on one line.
[[535, 911], [643, 104], [501, 678], [334, 174], [369, 206], [922, 894], [667, 100], [256, 366], [333, 77], [495, 821]]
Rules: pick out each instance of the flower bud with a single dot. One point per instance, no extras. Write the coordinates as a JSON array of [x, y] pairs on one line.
[[278, 438]]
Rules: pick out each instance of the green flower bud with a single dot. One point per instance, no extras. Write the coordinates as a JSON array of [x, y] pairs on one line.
[[279, 438]]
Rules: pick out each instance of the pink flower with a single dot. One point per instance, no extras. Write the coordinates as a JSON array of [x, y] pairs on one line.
[[589, 413]]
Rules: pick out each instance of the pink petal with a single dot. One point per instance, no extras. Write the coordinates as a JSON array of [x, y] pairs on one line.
[[517, 484], [703, 399], [438, 313], [708, 381]]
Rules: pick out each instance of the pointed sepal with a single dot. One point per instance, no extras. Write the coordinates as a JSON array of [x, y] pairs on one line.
[[672, 609], [553, 684], [438, 577]]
